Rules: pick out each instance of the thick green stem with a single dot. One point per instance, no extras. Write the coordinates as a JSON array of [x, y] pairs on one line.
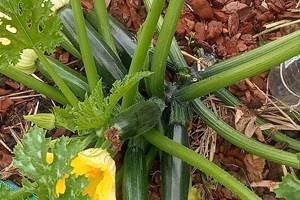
[[201, 163], [67, 45], [250, 55], [77, 82], [32, 83], [87, 56], [175, 53], [240, 140], [58, 80], [144, 42], [231, 100], [103, 25], [161, 51], [248, 69]]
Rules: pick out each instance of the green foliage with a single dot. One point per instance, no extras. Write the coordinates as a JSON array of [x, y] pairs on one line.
[[32, 25], [5, 193], [77, 185], [289, 188], [30, 158], [96, 110]]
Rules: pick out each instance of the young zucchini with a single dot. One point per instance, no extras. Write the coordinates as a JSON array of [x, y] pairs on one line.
[[175, 172], [124, 40], [137, 119], [76, 82], [135, 181], [108, 65]]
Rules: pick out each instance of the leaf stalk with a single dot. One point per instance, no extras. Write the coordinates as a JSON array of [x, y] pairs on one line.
[[201, 163], [86, 52]]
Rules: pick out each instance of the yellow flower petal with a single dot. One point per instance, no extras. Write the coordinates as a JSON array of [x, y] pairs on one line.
[[60, 187], [106, 184], [49, 158], [100, 169]]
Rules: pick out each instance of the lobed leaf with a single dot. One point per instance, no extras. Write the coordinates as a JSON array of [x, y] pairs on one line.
[[86, 115], [27, 24], [289, 188], [120, 88], [96, 111], [30, 158]]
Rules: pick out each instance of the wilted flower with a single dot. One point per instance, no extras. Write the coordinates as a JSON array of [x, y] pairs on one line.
[[27, 61], [57, 4]]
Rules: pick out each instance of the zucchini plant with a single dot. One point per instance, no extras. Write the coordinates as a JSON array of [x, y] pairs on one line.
[[103, 113]]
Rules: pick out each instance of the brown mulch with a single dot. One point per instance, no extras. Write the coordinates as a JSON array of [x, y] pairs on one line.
[[224, 28], [227, 27]]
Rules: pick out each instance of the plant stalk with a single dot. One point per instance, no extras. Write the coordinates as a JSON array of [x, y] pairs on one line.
[[175, 52], [250, 55], [238, 139], [248, 69], [72, 99], [162, 49], [143, 45], [277, 136], [103, 25], [67, 45], [87, 56], [201, 163], [32, 83]]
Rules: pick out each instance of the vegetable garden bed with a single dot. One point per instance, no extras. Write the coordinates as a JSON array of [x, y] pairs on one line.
[[123, 102]]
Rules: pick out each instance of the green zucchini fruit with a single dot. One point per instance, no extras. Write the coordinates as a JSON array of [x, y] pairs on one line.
[[137, 119], [108, 65], [135, 181], [76, 82], [175, 172], [124, 40]]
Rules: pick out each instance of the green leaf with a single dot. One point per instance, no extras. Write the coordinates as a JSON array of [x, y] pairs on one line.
[[27, 24], [30, 158], [289, 188], [75, 186], [96, 111], [120, 88], [86, 115]]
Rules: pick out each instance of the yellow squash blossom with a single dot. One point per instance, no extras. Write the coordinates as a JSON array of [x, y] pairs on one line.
[[97, 165], [100, 170]]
